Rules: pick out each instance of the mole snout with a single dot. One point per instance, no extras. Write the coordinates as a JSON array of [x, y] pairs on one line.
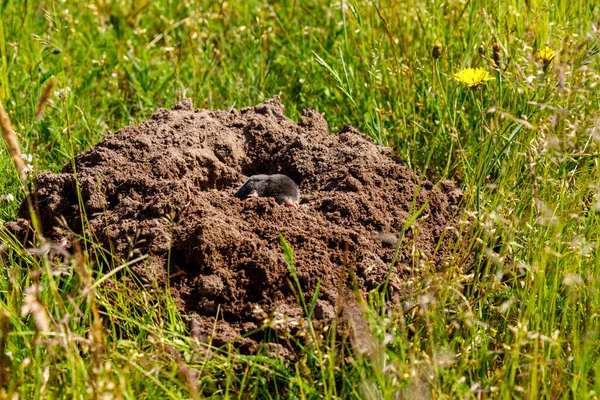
[[281, 187]]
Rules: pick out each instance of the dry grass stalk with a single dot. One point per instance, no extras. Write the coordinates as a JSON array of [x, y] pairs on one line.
[[188, 373], [5, 328], [82, 271], [44, 97], [32, 305], [11, 141]]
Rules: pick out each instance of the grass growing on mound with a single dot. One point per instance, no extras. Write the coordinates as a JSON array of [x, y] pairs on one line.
[[523, 321]]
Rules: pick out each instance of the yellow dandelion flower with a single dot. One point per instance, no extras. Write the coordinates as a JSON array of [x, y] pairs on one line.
[[472, 77], [547, 55]]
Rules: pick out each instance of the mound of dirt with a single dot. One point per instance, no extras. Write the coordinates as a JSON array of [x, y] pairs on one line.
[[167, 186]]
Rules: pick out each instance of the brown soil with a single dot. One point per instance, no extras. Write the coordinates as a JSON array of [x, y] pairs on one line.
[[169, 183]]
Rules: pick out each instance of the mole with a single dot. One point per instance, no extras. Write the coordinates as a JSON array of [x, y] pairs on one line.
[[281, 187]]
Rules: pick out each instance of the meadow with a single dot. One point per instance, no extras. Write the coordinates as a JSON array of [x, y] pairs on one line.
[[521, 137]]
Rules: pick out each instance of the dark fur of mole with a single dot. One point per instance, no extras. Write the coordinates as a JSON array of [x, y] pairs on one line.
[[278, 186]]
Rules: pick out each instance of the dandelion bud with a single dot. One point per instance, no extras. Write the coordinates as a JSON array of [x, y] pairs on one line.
[[437, 50], [497, 53]]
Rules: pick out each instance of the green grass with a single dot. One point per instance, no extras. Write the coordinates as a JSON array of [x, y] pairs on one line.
[[522, 322]]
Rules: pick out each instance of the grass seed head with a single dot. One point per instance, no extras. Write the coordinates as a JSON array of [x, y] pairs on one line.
[[12, 143], [46, 94]]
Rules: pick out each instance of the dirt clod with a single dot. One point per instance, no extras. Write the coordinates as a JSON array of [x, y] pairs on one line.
[[166, 188]]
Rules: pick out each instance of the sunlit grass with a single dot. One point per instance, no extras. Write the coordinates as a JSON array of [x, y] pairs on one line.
[[521, 320]]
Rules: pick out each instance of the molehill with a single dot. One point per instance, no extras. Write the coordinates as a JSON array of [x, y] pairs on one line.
[[166, 187]]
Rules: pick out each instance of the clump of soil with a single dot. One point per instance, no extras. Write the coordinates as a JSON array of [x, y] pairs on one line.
[[169, 183]]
